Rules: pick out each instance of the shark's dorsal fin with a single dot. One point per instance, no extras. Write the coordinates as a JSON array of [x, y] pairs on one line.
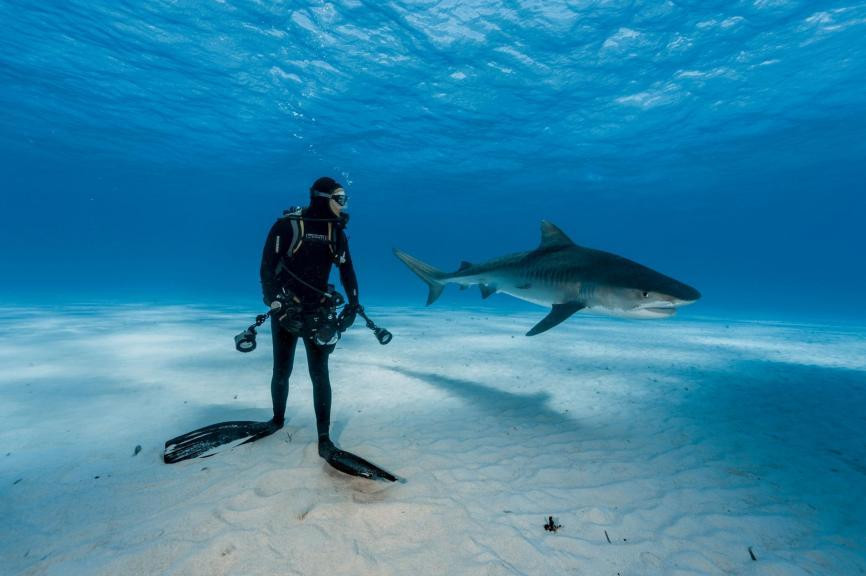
[[553, 237]]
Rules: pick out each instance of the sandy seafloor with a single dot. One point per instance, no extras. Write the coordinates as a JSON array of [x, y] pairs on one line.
[[685, 442]]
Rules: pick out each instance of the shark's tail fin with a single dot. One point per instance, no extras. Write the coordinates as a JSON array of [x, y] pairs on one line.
[[427, 273]]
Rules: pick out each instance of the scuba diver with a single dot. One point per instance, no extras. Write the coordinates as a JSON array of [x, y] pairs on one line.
[[296, 263], [299, 252]]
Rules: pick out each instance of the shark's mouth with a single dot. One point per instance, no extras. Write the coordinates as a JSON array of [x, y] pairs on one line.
[[660, 310], [646, 311]]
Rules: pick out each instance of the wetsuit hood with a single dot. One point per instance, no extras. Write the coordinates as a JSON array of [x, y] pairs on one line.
[[319, 208], [321, 196]]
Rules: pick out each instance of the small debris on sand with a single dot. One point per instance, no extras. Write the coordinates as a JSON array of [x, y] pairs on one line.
[[552, 526]]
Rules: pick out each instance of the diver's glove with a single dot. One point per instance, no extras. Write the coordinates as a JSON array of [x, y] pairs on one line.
[[347, 315]]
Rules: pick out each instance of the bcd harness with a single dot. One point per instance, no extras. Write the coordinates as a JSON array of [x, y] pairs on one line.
[[296, 218], [318, 321]]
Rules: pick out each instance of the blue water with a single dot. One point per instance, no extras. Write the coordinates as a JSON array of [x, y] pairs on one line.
[[146, 148]]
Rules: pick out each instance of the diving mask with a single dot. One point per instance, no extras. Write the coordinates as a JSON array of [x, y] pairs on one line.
[[340, 197]]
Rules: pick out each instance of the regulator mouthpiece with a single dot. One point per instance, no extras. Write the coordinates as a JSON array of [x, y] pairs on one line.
[[246, 340]]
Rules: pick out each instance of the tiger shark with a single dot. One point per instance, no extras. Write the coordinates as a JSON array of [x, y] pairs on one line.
[[566, 277]]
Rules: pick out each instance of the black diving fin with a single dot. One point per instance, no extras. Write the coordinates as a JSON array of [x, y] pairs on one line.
[[353, 464], [207, 441]]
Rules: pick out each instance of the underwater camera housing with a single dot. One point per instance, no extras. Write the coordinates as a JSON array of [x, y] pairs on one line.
[[322, 324]]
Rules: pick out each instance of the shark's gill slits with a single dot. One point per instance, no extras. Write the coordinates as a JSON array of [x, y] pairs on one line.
[[587, 291]]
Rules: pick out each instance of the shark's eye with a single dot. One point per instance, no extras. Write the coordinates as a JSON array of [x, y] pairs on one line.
[[645, 294]]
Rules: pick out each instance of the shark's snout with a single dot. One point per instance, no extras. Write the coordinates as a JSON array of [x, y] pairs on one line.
[[663, 305], [681, 295], [688, 296]]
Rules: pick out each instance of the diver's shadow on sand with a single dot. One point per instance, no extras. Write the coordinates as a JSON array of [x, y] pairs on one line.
[[531, 408]]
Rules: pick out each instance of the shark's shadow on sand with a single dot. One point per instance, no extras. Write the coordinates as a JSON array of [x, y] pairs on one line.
[[776, 407], [532, 408]]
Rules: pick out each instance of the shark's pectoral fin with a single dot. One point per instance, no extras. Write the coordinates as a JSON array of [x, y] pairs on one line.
[[559, 313], [487, 290]]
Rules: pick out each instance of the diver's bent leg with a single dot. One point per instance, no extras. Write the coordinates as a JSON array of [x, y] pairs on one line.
[[284, 359], [317, 359]]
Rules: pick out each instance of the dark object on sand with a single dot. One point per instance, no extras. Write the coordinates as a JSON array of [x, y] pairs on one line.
[[202, 442], [752, 554], [137, 450], [552, 526], [352, 464], [207, 441]]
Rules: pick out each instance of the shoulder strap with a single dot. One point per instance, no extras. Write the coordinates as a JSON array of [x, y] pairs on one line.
[[297, 236], [296, 218]]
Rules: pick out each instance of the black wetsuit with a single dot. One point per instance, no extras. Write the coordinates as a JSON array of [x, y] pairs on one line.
[[309, 264]]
